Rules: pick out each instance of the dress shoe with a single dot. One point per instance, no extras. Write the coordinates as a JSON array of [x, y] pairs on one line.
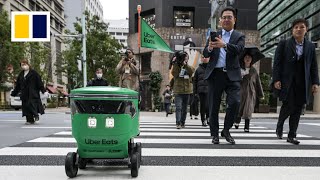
[[228, 137], [204, 124], [236, 125], [279, 134], [215, 140], [293, 141]]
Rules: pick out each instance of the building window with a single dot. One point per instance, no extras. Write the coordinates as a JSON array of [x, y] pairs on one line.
[[57, 25], [122, 40], [112, 33], [57, 8], [32, 6], [183, 16], [146, 63], [149, 16]]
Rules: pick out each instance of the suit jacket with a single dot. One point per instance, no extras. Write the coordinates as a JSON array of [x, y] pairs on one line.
[[234, 49], [284, 66]]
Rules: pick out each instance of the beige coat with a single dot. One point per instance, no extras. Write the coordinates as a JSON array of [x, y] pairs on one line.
[[129, 73], [250, 88]]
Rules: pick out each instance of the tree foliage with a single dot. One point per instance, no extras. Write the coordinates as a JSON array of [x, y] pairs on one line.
[[155, 86], [11, 53], [38, 59], [102, 52]]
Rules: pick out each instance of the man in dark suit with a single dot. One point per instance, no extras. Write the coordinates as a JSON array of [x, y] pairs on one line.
[[223, 74], [295, 71]]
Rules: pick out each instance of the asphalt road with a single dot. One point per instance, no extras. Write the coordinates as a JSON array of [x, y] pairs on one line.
[[38, 151]]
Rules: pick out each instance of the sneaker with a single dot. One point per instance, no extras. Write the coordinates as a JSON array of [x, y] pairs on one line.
[[36, 118], [178, 126], [183, 126], [27, 123]]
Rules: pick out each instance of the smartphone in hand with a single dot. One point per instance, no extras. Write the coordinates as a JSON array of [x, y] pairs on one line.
[[213, 36]]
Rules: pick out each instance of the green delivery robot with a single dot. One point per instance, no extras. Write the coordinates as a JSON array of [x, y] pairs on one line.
[[105, 121]]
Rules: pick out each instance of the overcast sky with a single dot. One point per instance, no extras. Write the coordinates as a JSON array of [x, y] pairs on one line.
[[115, 9]]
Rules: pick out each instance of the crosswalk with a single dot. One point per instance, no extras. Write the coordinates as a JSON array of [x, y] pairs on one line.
[[169, 153]]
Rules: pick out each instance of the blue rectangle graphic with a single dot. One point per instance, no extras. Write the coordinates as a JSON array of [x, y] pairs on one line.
[[39, 26]]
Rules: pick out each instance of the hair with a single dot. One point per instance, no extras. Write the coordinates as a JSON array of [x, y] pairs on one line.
[[25, 61], [98, 69], [242, 65], [229, 8], [167, 85], [300, 20], [128, 49]]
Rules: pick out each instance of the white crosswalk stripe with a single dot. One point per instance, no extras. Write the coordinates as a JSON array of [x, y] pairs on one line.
[[167, 150]]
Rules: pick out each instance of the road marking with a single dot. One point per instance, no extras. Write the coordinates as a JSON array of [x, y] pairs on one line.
[[44, 151], [164, 172], [182, 141]]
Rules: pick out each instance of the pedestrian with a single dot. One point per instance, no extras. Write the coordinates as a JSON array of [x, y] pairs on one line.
[[295, 75], [200, 89], [98, 80], [250, 88], [167, 96], [194, 105], [182, 86], [128, 71], [223, 74], [29, 85]]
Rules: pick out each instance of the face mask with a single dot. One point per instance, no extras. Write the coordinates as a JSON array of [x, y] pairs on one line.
[[25, 67], [99, 76]]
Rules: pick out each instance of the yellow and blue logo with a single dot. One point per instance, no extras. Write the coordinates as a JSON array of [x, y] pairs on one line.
[[30, 26]]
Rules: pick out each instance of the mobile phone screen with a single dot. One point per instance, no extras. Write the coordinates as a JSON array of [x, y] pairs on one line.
[[213, 36]]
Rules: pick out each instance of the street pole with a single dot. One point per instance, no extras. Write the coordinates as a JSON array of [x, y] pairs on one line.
[[215, 5], [84, 49], [213, 17], [139, 39]]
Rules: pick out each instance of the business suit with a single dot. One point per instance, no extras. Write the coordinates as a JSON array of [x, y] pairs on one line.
[[219, 81], [296, 73]]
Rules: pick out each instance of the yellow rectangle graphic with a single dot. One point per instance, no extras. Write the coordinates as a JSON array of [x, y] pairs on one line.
[[21, 26]]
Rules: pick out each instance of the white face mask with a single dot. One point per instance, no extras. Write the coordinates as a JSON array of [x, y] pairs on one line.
[[25, 67], [99, 76]]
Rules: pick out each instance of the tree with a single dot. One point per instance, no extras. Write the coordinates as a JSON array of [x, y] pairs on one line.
[[103, 51], [155, 86], [38, 59], [11, 53]]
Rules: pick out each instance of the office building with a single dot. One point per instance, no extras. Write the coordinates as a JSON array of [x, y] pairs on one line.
[[74, 9], [119, 29]]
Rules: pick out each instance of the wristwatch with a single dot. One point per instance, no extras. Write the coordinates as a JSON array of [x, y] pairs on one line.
[[225, 45]]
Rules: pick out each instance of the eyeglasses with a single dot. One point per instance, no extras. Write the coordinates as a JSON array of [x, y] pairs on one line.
[[227, 17]]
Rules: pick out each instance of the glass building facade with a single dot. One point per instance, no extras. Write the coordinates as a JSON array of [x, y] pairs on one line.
[[276, 16]]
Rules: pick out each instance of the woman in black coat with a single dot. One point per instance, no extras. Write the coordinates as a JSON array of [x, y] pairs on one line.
[[200, 88], [29, 83]]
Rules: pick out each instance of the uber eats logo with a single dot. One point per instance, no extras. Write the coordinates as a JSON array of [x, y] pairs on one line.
[[102, 141]]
